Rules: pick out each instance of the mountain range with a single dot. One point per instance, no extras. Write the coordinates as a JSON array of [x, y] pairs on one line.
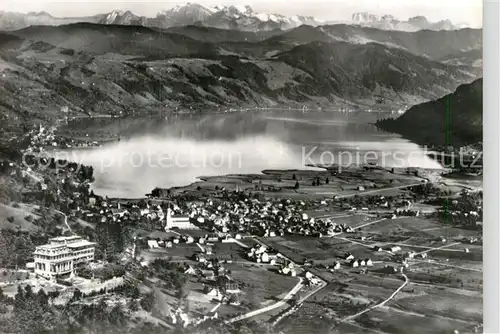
[[113, 69], [389, 22], [223, 17]]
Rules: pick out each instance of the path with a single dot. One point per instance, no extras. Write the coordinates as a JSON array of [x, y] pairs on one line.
[[200, 247], [274, 306], [407, 280], [437, 248], [332, 216], [65, 219], [427, 247], [241, 244], [369, 223], [335, 235]]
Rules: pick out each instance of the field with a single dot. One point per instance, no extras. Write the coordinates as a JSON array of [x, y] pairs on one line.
[[14, 217], [444, 289]]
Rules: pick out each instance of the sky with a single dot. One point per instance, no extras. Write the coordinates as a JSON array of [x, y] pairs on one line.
[[458, 11]]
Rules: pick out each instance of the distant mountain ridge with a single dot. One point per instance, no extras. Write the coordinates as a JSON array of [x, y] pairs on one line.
[[223, 17], [389, 22], [113, 69]]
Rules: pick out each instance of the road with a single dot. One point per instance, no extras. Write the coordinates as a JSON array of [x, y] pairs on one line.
[[360, 193], [374, 191], [274, 306]]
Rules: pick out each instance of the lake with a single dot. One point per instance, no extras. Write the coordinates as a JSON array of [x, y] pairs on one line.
[[175, 151]]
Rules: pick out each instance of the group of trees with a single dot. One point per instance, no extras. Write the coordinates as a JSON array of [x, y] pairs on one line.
[[464, 211], [172, 274], [32, 313], [111, 238], [317, 181], [106, 273], [16, 247]]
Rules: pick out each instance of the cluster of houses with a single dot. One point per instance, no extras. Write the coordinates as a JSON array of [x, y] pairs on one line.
[[41, 137], [263, 254], [311, 279], [239, 214], [353, 262], [167, 218], [288, 270]]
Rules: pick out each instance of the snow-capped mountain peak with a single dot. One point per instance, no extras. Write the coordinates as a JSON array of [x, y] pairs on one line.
[[111, 17], [239, 17], [364, 17], [389, 22]]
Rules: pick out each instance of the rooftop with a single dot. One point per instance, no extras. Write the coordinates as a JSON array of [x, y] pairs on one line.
[[50, 247], [70, 238], [82, 243]]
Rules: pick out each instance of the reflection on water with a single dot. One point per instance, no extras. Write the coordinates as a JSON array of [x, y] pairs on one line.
[[175, 151]]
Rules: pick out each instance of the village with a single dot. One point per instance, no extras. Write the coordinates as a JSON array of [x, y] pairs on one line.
[[261, 249]]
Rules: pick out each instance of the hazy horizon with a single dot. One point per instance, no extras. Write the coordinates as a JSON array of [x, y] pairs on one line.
[[458, 11]]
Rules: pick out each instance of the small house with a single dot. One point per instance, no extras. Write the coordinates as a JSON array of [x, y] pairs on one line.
[[190, 271], [395, 249], [153, 244], [348, 257]]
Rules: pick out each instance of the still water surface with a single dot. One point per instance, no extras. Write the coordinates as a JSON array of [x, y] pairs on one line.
[[174, 151]]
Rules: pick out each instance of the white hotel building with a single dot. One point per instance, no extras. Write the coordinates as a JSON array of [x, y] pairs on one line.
[[61, 255]]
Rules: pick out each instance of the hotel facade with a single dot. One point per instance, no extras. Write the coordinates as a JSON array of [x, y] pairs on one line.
[[62, 255]]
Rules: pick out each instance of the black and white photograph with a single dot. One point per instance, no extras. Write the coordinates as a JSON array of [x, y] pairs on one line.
[[269, 167]]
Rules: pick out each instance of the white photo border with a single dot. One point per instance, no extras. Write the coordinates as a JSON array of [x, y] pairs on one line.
[[491, 139]]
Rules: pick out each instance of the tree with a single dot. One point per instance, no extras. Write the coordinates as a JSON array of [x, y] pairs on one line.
[[147, 302], [221, 283], [77, 295], [42, 298], [19, 299], [183, 292], [233, 298]]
